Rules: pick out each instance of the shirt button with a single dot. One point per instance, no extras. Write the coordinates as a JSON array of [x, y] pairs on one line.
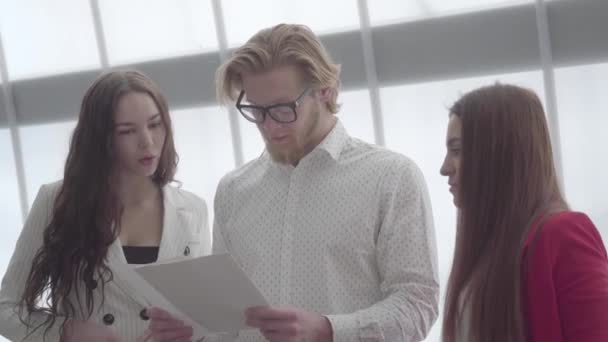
[[108, 319], [187, 251], [144, 315]]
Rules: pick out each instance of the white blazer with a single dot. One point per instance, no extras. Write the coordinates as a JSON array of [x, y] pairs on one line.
[[185, 232]]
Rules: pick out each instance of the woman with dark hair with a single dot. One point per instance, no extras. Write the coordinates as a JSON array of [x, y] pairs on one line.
[[113, 206], [525, 267]]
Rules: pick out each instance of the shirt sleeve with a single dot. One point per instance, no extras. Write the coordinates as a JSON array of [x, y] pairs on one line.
[[219, 246], [205, 233], [407, 265], [220, 208], [19, 267]]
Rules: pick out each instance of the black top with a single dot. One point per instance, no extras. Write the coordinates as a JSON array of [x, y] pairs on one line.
[[140, 255]]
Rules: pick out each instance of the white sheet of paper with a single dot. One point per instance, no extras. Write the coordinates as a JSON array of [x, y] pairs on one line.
[[152, 297], [211, 290]]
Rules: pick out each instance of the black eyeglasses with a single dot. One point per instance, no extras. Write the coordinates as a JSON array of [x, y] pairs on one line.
[[280, 112]]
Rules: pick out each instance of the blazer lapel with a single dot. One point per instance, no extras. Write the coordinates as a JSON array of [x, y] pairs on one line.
[[176, 234], [174, 243], [122, 273]]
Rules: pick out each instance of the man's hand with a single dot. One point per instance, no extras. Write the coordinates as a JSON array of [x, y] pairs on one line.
[[283, 324]]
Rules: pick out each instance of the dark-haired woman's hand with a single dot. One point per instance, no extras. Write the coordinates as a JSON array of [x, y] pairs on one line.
[[164, 327], [77, 331]]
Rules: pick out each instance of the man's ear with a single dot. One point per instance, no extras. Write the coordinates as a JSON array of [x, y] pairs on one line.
[[325, 94]]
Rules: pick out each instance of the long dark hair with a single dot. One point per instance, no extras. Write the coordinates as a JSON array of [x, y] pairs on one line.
[[86, 212], [507, 180]]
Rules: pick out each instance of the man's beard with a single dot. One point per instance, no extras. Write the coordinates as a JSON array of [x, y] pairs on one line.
[[298, 146]]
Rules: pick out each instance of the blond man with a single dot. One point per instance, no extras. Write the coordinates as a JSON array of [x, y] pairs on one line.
[[337, 233]]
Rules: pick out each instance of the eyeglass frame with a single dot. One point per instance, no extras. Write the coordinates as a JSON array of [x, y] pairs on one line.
[[266, 109]]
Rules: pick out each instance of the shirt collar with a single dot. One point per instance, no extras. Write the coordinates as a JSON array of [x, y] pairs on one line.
[[333, 144], [335, 141]]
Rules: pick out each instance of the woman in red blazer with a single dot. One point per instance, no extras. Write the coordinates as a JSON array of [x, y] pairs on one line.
[[525, 267]]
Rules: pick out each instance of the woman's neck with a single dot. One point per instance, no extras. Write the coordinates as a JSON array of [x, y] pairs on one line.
[[136, 191]]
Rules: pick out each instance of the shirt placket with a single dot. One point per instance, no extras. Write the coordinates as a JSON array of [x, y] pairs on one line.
[[289, 226]]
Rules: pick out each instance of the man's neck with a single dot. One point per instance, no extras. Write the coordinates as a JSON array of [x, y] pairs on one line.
[[318, 137]]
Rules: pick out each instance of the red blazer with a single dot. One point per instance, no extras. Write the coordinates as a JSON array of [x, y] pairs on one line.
[[565, 289]]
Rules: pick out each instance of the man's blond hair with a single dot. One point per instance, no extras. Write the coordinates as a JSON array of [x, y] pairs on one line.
[[280, 45]]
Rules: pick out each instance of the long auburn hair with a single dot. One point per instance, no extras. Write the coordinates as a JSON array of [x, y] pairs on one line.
[[85, 218], [507, 180]]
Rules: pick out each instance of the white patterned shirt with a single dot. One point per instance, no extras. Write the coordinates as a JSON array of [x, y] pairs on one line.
[[348, 234]]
